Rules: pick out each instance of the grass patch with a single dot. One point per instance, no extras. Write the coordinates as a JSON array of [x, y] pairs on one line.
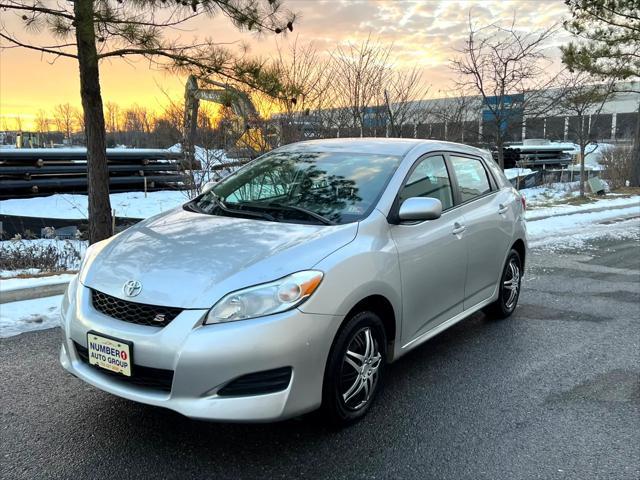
[[627, 191], [43, 274], [578, 200]]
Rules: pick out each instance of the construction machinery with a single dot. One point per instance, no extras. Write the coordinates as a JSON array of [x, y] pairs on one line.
[[248, 138]]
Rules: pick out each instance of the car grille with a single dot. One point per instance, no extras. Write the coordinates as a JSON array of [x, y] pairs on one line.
[[259, 383], [146, 377], [132, 312]]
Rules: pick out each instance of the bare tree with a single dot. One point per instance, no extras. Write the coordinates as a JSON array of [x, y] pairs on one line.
[[359, 74], [137, 124], [42, 122], [459, 114], [508, 68], [88, 32], [583, 99], [64, 117], [404, 96], [17, 121], [112, 117], [303, 73]]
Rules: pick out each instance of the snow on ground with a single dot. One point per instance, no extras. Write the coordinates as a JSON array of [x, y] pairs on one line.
[[549, 193], [550, 237], [517, 172], [205, 156], [574, 226], [4, 274], [9, 284], [74, 206], [29, 315], [577, 222]]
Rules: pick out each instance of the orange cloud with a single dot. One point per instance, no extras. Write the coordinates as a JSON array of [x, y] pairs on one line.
[[424, 33]]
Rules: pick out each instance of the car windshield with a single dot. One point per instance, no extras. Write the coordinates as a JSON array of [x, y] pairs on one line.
[[302, 187]]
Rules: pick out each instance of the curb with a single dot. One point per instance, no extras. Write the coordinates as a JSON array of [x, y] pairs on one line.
[[30, 293]]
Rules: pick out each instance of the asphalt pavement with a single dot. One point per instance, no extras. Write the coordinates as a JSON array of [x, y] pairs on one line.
[[553, 392]]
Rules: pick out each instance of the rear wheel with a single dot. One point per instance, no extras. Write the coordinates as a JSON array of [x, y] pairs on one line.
[[509, 287], [354, 369]]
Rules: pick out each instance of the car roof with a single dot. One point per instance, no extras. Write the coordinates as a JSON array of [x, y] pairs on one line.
[[380, 146]]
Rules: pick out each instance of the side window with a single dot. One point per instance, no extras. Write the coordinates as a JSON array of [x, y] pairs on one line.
[[498, 174], [472, 177], [429, 179]]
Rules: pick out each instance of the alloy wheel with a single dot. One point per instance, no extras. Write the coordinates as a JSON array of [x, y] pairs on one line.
[[360, 366], [511, 284]]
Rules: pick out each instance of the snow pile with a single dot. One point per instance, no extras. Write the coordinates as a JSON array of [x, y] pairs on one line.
[[206, 157], [549, 193], [29, 315], [211, 161], [512, 173], [75, 206]]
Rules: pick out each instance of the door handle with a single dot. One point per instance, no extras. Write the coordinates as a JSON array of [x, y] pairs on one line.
[[458, 228], [502, 208]]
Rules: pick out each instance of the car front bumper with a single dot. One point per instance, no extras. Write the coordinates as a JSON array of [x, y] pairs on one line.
[[204, 358]]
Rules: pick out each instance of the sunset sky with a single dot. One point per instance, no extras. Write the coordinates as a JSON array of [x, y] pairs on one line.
[[424, 33]]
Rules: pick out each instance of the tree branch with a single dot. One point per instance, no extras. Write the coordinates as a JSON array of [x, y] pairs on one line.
[[37, 48], [38, 9]]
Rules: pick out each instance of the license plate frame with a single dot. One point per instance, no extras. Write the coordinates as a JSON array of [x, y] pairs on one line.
[[106, 360]]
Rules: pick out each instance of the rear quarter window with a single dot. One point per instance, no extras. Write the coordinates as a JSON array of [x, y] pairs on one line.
[[473, 180], [498, 174]]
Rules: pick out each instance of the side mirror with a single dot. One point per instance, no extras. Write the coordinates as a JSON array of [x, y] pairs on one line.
[[420, 208], [208, 186]]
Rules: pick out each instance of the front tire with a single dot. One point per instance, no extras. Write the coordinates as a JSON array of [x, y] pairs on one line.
[[354, 369], [510, 283]]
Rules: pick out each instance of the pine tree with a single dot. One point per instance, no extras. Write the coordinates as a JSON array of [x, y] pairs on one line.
[[608, 47], [89, 31]]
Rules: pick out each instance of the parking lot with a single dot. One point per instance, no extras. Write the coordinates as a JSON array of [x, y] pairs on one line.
[[552, 392]]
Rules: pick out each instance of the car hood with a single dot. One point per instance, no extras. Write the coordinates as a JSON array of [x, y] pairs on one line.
[[190, 260]]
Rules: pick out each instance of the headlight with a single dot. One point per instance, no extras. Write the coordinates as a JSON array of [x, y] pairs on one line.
[[266, 299]]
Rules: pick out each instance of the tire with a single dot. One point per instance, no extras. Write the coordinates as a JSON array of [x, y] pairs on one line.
[[507, 300], [351, 381]]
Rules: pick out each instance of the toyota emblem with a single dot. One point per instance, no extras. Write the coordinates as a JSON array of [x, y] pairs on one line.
[[132, 288]]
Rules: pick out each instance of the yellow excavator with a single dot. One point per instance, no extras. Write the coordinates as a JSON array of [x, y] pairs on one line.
[[249, 138]]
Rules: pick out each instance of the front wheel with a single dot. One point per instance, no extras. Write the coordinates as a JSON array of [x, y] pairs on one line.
[[354, 369], [509, 287]]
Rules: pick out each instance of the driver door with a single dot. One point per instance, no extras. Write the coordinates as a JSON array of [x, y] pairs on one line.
[[432, 253]]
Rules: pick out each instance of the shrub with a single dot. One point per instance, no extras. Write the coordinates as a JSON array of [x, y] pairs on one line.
[[45, 256], [618, 166]]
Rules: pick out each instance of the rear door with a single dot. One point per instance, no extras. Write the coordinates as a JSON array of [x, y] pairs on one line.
[[432, 254], [489, 230]]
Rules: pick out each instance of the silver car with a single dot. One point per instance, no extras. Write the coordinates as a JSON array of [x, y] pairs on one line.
[[290, 284]]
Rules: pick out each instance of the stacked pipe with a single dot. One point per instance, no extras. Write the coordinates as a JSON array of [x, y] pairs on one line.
[[43, 171]]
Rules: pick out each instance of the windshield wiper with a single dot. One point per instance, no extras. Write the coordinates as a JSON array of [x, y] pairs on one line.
[[306, 211], [218, 202]]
